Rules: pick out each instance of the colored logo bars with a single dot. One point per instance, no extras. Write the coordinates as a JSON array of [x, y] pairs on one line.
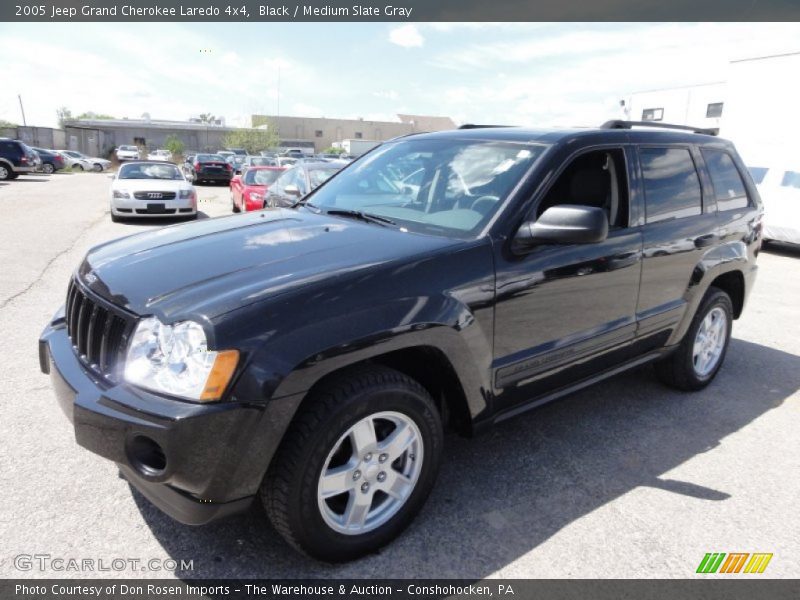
[[734, 562]]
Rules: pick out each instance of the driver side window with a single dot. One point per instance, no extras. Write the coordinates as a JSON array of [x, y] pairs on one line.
[[597, 178]]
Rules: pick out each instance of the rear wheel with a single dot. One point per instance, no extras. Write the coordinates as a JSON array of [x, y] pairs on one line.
[[356, 464], [48, 168], [77, 167], [702, 351], [5, 173], [97, 167]]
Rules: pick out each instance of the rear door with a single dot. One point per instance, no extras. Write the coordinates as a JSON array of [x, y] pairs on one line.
[[679, 227]]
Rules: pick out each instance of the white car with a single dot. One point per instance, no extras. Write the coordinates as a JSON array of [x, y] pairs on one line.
[[80, 161], [128, 153], [151, 189], [160, 155], [779, 188]]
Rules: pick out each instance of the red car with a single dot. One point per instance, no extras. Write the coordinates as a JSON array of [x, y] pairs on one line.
[[249, 188]]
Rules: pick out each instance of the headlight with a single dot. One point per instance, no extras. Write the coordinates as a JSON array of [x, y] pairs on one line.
[[121, 194], [175, 360], [184, 194]]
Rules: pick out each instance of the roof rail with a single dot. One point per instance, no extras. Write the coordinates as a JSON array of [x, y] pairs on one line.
[[474, 126], [619, 124]]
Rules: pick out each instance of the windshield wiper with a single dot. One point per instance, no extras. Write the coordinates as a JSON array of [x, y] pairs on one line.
[[357, 214]]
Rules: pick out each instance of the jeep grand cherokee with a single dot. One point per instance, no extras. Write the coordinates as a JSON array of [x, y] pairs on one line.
[[310, 358]]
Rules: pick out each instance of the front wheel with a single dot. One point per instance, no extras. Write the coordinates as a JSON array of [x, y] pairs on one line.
[[702, 351], [356, 465], [77, 167], [97, 167], [48, 169]]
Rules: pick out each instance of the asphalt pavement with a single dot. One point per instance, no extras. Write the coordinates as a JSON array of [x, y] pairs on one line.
[[624, 479]]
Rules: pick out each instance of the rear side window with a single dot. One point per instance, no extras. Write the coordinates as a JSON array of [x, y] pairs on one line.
[[10, 149], [791, 179], [671, 184], [729, 190]]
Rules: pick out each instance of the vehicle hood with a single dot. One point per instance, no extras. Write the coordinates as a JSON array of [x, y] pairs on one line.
[[211, 267], [150, 185]]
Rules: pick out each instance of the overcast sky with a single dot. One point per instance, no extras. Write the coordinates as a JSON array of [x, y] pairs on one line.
[[529, 74]]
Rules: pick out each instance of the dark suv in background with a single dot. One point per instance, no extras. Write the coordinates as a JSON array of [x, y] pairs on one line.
[[15, 158], [312, 358]]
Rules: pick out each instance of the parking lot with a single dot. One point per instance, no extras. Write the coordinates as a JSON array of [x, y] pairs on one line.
[[624, 479]]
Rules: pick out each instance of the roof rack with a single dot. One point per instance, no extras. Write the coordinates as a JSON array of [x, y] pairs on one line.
[[474, 126], [618, 124]]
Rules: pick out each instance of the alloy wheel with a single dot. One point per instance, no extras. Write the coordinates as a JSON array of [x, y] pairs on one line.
[[709, 341], [370, 473]]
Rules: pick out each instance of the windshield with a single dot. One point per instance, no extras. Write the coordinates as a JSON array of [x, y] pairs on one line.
[[261, 176], [149, 171], [128, 148], [209, 157], [441, 187]]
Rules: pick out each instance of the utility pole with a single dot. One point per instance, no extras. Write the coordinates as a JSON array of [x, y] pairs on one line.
[[22, 109]]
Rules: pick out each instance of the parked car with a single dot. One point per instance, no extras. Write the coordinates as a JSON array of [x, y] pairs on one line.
[[209, 167], [16, 158], [779, 186], [298, 181], [225, 153], [286, 161], [249, 188], [236, 161], [311, 359], [128, 153], [78, 160], [151, 189], [238, 151], [160, 155], [52, 160], [259, 161]]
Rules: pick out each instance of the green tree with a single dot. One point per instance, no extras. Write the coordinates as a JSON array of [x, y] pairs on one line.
[[63, 115], [333, 150], [252, 140], [7, 124], [174, 145], [93, 115], [207, 118]]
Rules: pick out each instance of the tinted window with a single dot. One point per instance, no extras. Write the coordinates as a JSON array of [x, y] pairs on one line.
[[758, 173], [652, 114], [9, 149], [714, 110], [729, 189], [671, 184]]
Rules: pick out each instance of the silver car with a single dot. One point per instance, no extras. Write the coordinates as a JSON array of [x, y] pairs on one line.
[[151, 189]]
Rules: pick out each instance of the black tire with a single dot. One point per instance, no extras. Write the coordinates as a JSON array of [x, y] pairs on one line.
[[48, 168], [12, 175], [77, 167], [678, 369], [289, 490], [116, 219], [235, 208], [97, 168], [5, 172]]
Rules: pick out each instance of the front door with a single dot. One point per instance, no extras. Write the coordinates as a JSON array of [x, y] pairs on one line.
[[564, 312]]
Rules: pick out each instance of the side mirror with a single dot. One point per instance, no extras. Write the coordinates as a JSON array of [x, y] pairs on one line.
[[292, 190], [564, 224]]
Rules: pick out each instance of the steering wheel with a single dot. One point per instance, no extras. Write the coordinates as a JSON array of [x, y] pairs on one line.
[[484, 201]]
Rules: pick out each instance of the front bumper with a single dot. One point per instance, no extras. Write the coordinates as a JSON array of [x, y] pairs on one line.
[[132, 207], [203, 478]]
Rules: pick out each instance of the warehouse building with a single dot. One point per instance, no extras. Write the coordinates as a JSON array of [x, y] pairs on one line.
[[321, 132]]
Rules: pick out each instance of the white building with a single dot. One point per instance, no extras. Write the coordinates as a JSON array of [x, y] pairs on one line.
[[697, 105]]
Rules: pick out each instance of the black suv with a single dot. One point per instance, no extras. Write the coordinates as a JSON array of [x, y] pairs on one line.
[[312, 357], [15, 158]]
